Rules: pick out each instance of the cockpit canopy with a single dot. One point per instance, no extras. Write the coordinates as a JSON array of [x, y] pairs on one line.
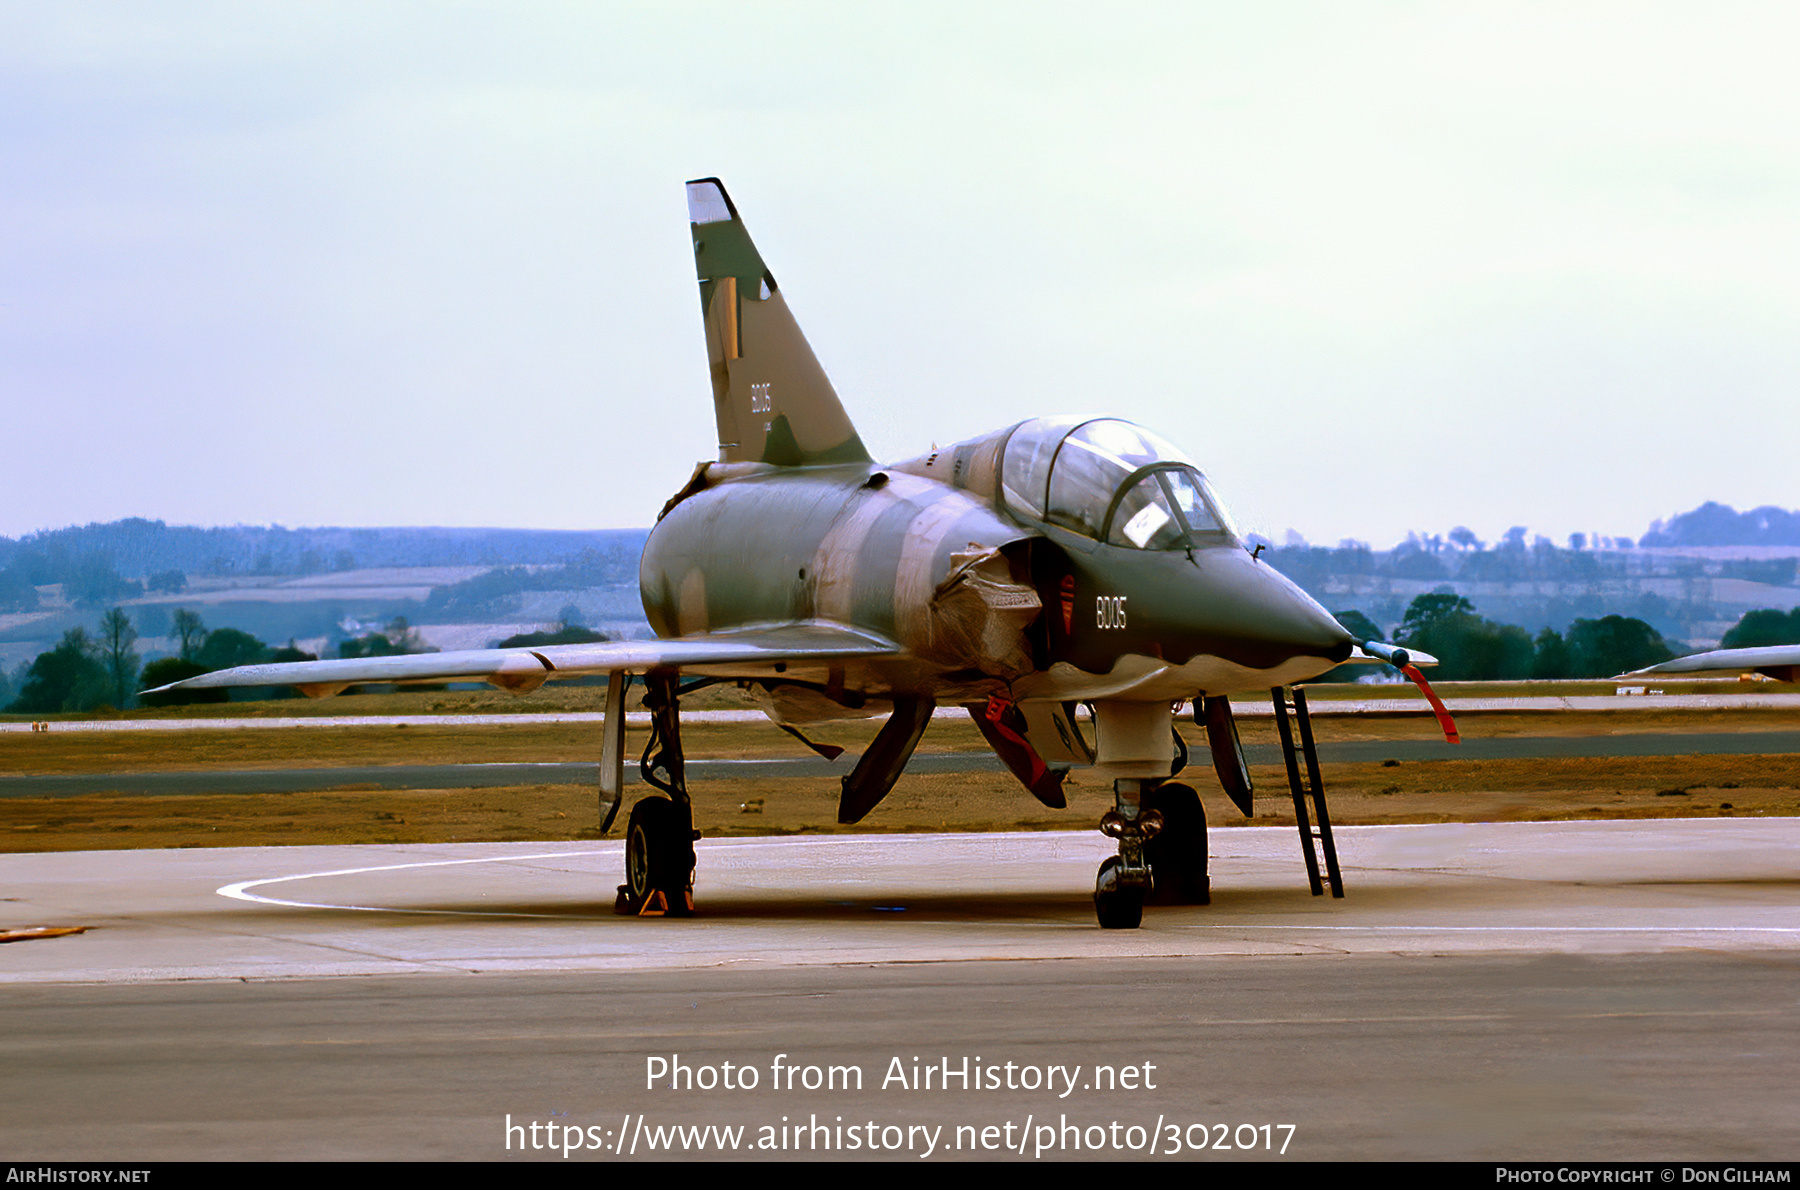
[[1113, 482]]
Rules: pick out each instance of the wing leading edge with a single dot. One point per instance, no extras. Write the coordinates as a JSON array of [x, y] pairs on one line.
[[755, 651]]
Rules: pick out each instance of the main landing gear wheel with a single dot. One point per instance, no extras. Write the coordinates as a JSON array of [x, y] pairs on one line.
[[1177, 853], [659, 859], [1119, 907]]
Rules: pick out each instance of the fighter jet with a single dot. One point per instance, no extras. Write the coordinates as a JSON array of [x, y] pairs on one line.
[[1055, 564]]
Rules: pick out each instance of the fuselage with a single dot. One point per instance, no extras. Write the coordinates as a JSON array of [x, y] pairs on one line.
[[990, 589]]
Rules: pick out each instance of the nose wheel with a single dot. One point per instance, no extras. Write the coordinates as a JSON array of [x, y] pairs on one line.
[[1125, 879], [1177, 853], [1118, 905]]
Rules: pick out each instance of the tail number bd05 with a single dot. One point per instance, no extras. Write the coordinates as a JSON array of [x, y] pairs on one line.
[[1109, 611]]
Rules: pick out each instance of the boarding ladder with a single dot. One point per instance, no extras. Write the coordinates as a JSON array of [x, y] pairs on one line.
[[1307, 786]]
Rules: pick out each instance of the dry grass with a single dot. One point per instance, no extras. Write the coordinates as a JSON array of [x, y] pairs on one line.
[[1429, 791]]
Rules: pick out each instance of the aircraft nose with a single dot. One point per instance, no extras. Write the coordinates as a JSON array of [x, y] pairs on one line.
[[1218, 602], [1304, 620], [1251, 612]]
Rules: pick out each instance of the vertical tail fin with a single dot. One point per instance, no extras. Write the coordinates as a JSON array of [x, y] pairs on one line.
[[772, 400]]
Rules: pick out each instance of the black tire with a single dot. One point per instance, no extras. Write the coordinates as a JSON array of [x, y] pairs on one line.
[[659, 850], [1117, 907], [1177, 855]]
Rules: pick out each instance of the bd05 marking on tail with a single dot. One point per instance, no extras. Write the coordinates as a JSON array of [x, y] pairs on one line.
[[830, 586]]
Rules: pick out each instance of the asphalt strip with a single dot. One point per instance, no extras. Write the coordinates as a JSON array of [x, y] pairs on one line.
[[478, 776]]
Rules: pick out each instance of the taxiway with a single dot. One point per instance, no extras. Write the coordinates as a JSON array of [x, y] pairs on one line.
[[1619, 990]]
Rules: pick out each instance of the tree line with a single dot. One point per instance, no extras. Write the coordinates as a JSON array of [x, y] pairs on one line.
[[103, 670], [1470, 647], [90, 671], [1720, 524], [100, 671]]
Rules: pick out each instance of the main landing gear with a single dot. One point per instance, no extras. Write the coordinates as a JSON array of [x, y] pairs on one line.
[[659, 860], [659, 836], [1161, 829]]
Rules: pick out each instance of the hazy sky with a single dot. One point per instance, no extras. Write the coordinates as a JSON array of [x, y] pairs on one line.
[[1378, 267]]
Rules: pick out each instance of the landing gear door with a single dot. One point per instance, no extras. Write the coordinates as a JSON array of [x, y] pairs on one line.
[[1052, 730], [1227, 752]]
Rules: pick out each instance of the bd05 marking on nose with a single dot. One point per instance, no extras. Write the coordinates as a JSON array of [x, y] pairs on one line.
[[1109, 611]]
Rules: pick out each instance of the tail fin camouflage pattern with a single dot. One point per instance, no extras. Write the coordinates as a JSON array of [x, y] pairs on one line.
[[773, 402]]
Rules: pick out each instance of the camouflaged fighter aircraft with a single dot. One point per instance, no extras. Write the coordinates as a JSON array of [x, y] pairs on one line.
[[1053, 564]]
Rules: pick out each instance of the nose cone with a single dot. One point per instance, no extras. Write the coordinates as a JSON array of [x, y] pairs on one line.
[[1254, 615]]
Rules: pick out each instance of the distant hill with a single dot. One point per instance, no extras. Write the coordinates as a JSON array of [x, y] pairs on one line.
[[309, 583], [470, 586], [1715, 524], [1737, 562], [139, 548]]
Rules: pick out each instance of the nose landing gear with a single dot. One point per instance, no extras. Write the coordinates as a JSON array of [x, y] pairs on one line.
[[1124, 880], [1161, 829]]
